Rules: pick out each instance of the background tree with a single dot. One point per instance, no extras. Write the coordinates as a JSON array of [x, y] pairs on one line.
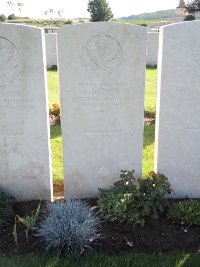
[[3, 18], [14, 4], [12, 16], [193, 6], [99, 10]]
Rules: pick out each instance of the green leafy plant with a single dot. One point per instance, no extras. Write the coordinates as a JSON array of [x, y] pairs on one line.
[[132, 200], [6, 209], [185, 212], [28, 222], [154, 191]]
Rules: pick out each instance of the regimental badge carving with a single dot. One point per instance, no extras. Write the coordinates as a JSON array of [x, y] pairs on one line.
[[102, 53], [8, 56]]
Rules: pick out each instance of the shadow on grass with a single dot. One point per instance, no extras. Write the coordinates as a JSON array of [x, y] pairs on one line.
[[55, 131]]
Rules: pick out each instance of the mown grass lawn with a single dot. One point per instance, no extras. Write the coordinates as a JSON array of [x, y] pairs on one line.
[[57, 158], [150, 108], [150, 92], [94, 260], [148, 149], [53, 87]]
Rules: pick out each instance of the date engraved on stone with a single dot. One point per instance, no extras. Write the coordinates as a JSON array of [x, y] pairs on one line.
[[102, 53], [100, 96]]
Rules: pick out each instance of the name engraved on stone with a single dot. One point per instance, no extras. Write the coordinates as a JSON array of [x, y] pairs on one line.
[[99, 95], [102, 53]]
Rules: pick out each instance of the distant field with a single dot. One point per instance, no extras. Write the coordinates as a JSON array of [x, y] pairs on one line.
[[62, 22], [43, 22], [141, 21]]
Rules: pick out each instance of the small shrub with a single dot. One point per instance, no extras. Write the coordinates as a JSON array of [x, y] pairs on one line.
[[53, 67], [68, 226], [185, 212], [154, 189], [189, 17], [12, 17], [132, 200], [54, 110], [6, 209], [151, 67], [68, 21]]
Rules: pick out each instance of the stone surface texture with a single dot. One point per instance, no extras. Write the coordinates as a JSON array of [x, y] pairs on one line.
[[102, 77], [24, 133], [51, 49], [177, 148], [152, 48]]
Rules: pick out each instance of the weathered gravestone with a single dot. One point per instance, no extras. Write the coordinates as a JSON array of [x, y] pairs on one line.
[[102, 71], [24, 134], [177, 150], [51, 49], [152, 48]]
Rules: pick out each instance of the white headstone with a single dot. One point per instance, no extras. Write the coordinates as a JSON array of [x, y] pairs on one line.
[[177, 150], [25, 163], [51, 49], [152, 48], [102, 77]]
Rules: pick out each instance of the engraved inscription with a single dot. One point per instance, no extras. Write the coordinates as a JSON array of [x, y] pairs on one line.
[[100, 96], [102, 53], [8, 56]]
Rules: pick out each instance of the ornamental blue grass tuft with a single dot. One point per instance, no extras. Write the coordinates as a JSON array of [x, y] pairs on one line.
[[69, 226]]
